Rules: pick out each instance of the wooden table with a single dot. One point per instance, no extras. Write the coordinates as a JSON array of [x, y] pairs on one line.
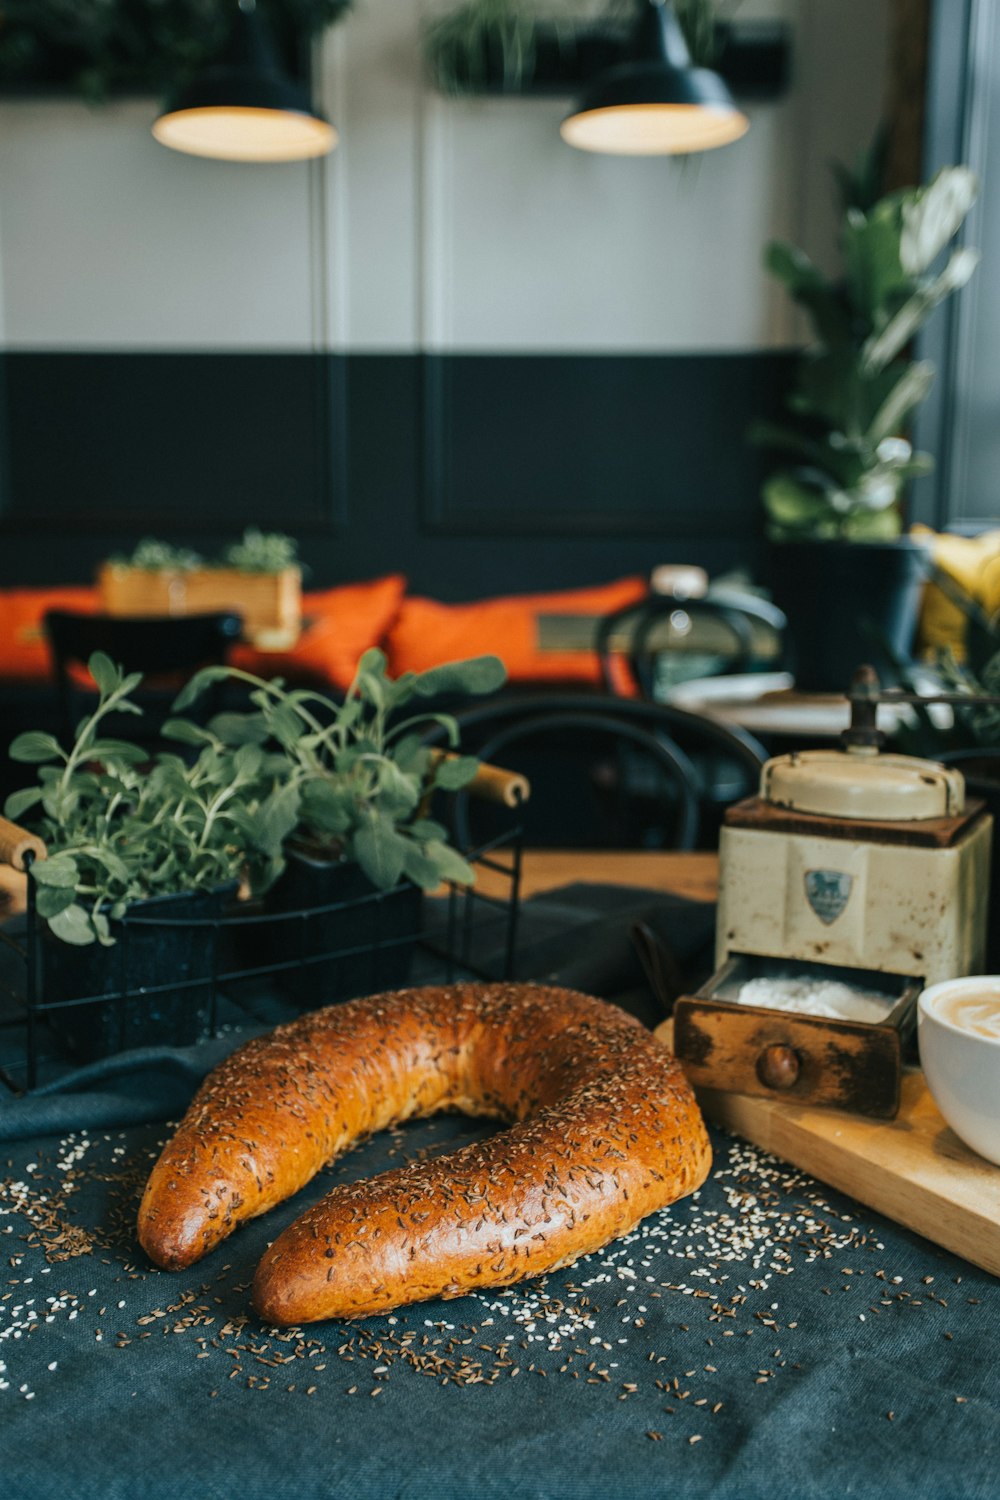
[[768, 704], [694, 875]]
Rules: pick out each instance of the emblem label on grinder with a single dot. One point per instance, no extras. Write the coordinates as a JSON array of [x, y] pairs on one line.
[[828, 892]]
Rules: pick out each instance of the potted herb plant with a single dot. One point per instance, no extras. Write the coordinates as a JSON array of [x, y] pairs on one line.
[[325, 803], [352, 845], [846, 577], [131, 842], [258, 576]]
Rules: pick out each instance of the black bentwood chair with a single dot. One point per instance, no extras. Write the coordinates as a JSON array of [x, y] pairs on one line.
[[605, 772], [166, 650], [661, 636]]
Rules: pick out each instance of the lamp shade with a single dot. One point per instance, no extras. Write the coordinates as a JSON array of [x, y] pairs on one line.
[[655, 102], [244, 107]]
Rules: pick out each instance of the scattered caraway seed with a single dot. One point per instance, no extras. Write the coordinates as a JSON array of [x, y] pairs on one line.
[[719, 1263]]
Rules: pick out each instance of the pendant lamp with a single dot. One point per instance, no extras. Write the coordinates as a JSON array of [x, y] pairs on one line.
[[245, 107], [655, 102]]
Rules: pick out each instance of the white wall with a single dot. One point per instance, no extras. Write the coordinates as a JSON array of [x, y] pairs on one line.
[[437, 224]]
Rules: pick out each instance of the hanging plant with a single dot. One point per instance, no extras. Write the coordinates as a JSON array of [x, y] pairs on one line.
[[495, 44], [465, 47], [99, 47], [700, 24]]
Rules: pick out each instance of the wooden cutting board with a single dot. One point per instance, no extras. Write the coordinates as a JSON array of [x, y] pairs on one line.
[[913, 1169]]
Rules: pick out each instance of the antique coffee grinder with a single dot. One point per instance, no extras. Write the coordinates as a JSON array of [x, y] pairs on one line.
[[853, 868]]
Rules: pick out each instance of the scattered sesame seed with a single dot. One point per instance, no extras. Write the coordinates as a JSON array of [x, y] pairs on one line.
[[722, 1255]]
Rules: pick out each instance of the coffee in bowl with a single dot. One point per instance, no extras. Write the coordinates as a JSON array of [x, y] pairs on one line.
[[958, 1030], [977, 1011]]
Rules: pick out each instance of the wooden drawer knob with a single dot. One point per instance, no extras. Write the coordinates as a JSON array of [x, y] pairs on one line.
[[778, 1067]]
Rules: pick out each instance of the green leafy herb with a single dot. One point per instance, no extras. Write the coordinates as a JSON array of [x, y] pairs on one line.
[[356, 779], [158, 557], [256, 552], [262, 552], [121, 828]]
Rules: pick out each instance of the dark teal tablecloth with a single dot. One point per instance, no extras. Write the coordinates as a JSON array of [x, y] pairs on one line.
[[766, 1338], [751, 1342]]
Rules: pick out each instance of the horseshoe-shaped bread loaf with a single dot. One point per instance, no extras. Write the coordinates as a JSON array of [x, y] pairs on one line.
[[605, 1131]]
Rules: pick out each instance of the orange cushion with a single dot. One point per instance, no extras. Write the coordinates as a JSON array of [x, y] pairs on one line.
[[339, 626], [427, 633], [24, 652]]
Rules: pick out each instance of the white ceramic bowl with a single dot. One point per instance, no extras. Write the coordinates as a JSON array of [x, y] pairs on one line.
[[962, 1067]]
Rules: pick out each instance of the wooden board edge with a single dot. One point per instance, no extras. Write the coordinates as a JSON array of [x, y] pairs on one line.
[[960, 1220]]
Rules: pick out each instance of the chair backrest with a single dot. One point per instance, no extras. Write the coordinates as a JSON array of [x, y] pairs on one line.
[[633, 795], [658, 627], [172, 646], [154, 645], [598, 781]]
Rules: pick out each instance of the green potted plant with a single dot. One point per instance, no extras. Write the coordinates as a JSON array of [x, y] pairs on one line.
[[842, 570], [132, 841], [261, 552], [324, 803], [465, 47], [142, 46], [500, 45], [352, 842], [258, 576]]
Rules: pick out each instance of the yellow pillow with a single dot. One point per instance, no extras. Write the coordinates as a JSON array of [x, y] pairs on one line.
[[974, 563]]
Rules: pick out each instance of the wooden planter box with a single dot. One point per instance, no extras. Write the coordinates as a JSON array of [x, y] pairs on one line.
[[270, 603]]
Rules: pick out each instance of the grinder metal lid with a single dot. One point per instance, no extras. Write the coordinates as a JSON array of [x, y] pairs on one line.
[[863, 784]]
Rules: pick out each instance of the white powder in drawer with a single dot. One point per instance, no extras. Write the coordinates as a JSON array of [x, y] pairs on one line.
[[817, 997]]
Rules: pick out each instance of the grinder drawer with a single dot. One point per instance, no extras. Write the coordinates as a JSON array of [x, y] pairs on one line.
[[726, 1043]]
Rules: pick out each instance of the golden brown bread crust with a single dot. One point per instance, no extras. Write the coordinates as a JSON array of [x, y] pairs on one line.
[[607, 1130]]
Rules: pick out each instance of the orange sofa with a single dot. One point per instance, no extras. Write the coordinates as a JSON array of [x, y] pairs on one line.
[[341, 623]]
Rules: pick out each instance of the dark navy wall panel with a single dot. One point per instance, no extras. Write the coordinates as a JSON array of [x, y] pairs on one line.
[[646, 445], [119, 442], [471, 474]]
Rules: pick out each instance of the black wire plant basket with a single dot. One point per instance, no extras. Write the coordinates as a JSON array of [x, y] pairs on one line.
[[197, 965]]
